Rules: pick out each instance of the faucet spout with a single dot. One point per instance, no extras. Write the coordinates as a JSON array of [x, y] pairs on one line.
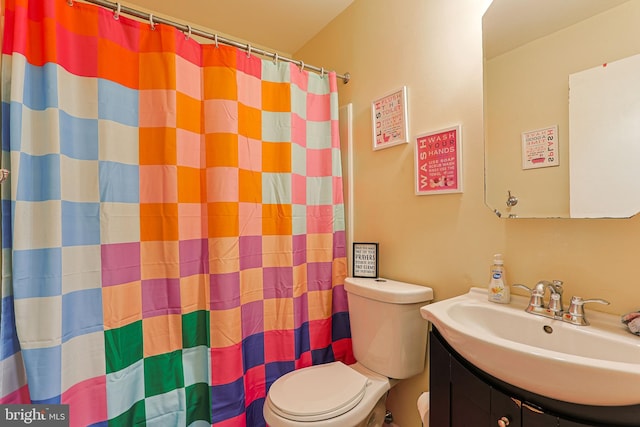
[[555, 299], [554, 287]]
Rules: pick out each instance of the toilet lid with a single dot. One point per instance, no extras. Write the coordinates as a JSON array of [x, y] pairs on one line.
[[317, 392]]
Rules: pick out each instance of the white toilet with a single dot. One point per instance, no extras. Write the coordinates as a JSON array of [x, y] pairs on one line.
[[389, 339]]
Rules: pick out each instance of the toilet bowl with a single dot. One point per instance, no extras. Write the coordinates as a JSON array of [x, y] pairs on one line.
[[330, 395], [389, 342]]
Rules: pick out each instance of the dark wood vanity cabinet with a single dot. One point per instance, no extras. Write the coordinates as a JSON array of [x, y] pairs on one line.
[[463, 396]]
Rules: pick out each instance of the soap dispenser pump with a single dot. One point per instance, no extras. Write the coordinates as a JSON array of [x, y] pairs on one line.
[[498, 288]]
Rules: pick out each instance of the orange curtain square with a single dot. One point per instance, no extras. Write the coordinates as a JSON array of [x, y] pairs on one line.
[[158, 221], [160, 259], [223, 219], [276, 97], [189, 113], [276, 157], [157, 71], [221, 149], [276, 219], [162, 334], [122, 304], [249, 121], [157, 146], [220, 83], [249, 186], [125, 71], [189, 185]]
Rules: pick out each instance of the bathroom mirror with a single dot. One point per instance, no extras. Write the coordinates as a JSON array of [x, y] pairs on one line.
[[531, 48]]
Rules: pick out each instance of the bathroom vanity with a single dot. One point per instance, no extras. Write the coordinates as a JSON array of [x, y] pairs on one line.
[[463, 395]]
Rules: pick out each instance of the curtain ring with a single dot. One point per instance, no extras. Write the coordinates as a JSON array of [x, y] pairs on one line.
[[116, 15], [322, 72], [4, 174], [248, 51], [275, 58], [301, 65], [153, 24], [215, 40], [188, 34]]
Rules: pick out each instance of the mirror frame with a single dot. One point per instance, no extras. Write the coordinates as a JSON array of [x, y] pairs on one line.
[[601, 45]]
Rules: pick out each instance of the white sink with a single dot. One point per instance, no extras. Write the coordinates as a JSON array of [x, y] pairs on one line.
[[597, 364]]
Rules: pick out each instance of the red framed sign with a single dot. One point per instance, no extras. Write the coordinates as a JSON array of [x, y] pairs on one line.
[[438, 162]]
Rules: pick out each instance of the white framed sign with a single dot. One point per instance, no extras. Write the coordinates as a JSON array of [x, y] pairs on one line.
[[389, 118], [540, 148]]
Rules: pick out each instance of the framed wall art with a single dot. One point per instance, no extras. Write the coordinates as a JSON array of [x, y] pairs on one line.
[[438, 162], [389, 118], [540, 148], [365, 260]]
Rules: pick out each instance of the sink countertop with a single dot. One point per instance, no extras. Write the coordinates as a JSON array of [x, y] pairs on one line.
[[597, 364]]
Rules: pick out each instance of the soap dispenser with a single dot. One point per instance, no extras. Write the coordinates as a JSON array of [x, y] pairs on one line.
[[498, 288]]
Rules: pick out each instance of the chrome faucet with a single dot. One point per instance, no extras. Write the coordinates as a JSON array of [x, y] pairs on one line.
[[555, 297], [575, 315], [536, 302], [554, 309]]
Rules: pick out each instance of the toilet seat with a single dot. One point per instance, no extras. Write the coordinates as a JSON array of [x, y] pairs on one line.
[[317, 393]]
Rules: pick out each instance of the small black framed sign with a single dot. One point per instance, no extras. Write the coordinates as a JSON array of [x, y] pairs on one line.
[[365, 259]]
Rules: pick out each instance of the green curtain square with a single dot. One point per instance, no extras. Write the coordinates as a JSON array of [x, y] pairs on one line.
[[198, 399], [195, 329], [135, 416], [163, 373], [123, 346]]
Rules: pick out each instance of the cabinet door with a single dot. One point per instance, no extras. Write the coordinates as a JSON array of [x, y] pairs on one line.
[[439, 380], [470, 399], [533, 417], [503, 406], [567, 423]]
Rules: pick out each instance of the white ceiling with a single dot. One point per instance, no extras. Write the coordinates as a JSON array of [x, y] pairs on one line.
[[280, 25], [508, 24]]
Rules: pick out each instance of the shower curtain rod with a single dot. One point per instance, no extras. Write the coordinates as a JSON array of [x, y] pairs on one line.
[[118, 8]]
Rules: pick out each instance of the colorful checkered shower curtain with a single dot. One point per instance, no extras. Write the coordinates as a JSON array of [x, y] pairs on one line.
[[172, 230]]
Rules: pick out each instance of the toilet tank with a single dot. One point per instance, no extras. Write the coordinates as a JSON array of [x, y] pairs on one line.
[[388, 333]]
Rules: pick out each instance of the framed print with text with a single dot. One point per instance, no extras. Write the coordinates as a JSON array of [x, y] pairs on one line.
[[389, 118], [365, 260], [540, 148], [438, 162]]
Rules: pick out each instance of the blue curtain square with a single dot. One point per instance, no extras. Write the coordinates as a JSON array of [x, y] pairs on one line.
[[253, 351], [9, 344], [37, 273], [80, 224], [117, 103], [44, 376], [78, 137], [41, 86], [81, 313], [227, 400], [119, 182], [39, 178]]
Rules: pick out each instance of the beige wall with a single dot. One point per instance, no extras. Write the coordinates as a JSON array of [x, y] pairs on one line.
[[446, 241]]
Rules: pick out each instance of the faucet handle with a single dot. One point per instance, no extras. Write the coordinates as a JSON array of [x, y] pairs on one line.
[[537, 295], [575, 313], [538, 290]]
